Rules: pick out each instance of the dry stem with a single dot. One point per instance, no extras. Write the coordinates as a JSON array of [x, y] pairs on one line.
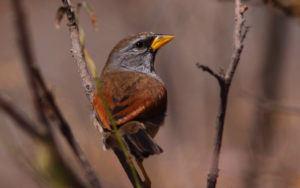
[[82, 60], [48, 112], [224, 81]]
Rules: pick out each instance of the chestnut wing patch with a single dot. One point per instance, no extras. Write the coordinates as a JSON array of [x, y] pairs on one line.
[[132, 108], [119, 106], [128, 101]]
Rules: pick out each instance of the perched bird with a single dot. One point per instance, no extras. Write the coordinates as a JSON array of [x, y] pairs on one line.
[[134, 94]]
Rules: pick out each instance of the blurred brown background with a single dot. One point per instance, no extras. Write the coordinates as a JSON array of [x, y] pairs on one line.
[[261, 143]]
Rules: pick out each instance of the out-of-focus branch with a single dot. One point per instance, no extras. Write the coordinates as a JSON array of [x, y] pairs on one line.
[[271, 104], [275, 106], [26, 50], [54, 158], [224, 81], [25, 124], [287, 8], [46, 107], [263, 134]]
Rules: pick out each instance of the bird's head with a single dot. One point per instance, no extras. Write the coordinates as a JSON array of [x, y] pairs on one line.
[[137, 52]]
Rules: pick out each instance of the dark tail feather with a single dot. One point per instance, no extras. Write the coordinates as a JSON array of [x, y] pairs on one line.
[[126, 167], [141, 145]]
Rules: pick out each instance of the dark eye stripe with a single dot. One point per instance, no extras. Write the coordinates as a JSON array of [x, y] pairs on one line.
[[140, 44], [144, 43]]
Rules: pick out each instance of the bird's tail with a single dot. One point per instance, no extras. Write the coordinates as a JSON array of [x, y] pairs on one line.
[[141, 145], [138, 141]]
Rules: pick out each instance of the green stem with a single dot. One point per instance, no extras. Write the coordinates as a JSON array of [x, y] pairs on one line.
[[92, 70], [118, 136]]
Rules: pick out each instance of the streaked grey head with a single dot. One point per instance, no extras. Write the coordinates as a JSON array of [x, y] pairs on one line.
[[137, 53]]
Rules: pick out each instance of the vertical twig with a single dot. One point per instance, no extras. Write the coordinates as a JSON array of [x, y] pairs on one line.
[[80, 56], [26, 50], [224, 81], [86, 79]]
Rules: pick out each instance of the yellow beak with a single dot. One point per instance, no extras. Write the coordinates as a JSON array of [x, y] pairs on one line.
[[161, 40]]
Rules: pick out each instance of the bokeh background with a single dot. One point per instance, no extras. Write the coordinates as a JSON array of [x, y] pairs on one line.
[[261, 143]]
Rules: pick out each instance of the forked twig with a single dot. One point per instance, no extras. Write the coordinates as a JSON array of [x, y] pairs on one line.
[[224, 81]]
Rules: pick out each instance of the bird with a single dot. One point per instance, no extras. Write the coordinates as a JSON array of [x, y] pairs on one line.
[[132, 96]]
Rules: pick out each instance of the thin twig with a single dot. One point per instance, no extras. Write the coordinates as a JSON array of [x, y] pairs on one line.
[[86, 79], [30, 128], [46, 107], [240, 32], [210, 71], [87, 75], [224, 81], [67, 132], [24, 123], [26, 50]]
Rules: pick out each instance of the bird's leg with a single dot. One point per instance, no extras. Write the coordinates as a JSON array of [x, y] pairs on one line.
[[147, 181]]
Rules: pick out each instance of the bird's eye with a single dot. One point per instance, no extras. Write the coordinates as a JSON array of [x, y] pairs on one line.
[[139, 44]]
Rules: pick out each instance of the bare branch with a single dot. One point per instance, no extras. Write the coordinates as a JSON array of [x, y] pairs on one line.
[[25, 124], [26, 50], [29, 127], [67, 132], [46, 106], [86, 78], [240, 33], [211, 72], [289, 8], [271, 104], [83, 60]]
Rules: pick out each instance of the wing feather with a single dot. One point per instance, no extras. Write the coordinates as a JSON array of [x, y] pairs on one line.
[[131, 100]]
